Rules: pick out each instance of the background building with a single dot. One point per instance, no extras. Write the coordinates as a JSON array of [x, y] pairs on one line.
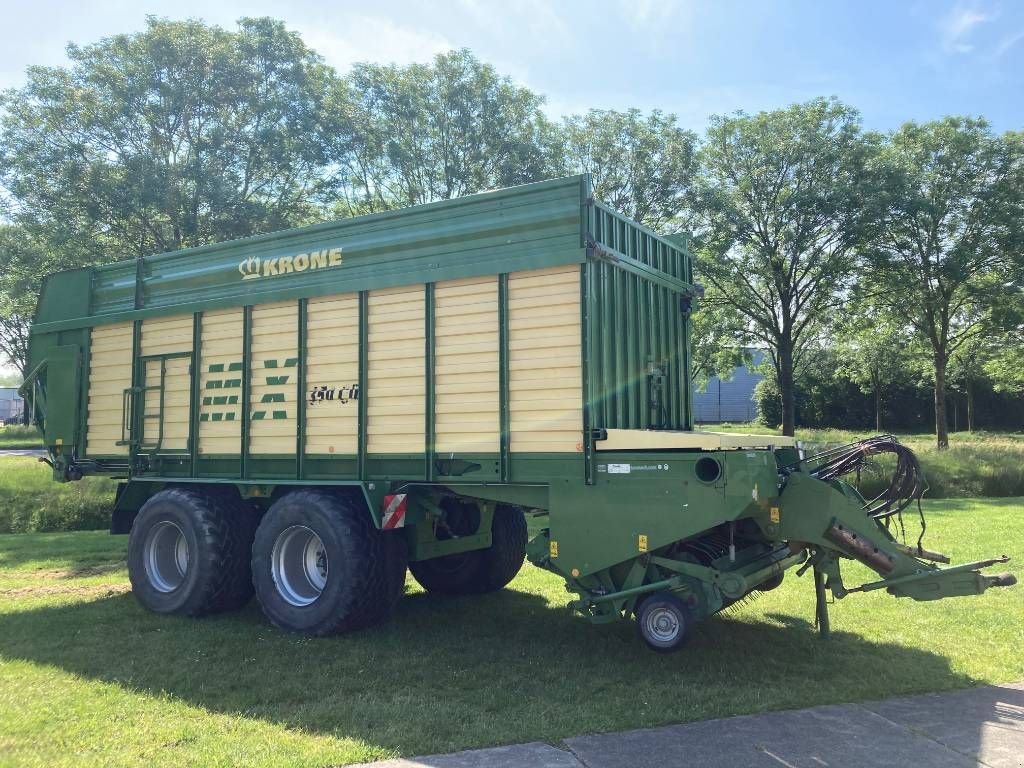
[[11, 405], [731, 400]]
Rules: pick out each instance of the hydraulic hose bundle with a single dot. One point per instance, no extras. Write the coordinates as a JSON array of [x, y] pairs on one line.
[[906, 486]]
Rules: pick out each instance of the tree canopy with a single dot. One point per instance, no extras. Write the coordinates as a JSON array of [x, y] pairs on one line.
[[780, 199], [177, 136], [949, 223], [817, 242], [642, 166], [436, 131]]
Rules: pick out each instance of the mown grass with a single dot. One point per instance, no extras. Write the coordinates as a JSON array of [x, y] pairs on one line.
[[30, 500], [976, 463], [89, 678], [16, 436]]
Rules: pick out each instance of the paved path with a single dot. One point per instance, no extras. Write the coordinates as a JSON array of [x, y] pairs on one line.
[[959, 729], [23, 452]]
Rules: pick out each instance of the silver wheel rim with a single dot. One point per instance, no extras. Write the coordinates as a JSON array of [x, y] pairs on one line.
[[166, 556], [299, 565], [662, 625]]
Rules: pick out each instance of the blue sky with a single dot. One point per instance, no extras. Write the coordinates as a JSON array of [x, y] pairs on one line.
[[893, 61]]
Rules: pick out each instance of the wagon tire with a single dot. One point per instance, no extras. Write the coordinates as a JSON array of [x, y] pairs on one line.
[[479, 570], [457, 574], [504, 558], [396, 565], [187, 553], [319, 565], [237, 590], [664, 622]]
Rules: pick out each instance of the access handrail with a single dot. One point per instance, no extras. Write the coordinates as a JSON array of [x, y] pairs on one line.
[[23, 390]]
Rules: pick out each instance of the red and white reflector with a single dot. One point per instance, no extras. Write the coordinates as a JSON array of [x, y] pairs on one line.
[[394, 511]]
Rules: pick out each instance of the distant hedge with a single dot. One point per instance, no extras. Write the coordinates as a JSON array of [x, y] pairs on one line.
[[31, 501]]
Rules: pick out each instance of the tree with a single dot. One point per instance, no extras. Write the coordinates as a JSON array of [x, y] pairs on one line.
[[177, 136], [437, 131], [942, 247], [22, 266], [781, 204], [643, 167], [873, 354], [1006, 367], [716, 333]]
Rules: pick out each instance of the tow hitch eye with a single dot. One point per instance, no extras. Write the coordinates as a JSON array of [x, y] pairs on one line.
[[1002, 580]]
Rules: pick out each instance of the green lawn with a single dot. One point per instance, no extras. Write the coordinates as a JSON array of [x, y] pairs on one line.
[[88, 678], [20, 437]]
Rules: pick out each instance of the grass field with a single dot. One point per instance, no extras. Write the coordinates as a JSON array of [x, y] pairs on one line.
[[88, 678], [20, 437]]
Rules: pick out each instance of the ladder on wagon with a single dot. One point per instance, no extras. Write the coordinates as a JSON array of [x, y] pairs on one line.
[[143, 411]]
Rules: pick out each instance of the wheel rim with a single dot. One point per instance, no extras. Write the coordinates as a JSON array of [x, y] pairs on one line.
[[299, 565], [662, 625], [166, 556]]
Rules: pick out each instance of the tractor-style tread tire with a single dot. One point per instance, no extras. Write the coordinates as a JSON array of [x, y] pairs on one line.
[[215, 531], [237, 589], [457, 574], [480, 570], [504, 559], [356, 592], [396, 565]]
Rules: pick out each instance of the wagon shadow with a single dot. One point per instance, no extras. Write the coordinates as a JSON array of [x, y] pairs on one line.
[[448, 674]]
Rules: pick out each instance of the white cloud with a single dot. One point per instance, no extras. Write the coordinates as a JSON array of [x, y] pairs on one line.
[[958, 25], [372, 38]]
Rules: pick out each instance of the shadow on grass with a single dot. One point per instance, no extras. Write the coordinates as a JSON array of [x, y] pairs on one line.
[[450, 674]]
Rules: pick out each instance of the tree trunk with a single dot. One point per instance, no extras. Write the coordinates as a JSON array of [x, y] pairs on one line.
[[787, 395], [878, 408], [941, 427], [970, 405]]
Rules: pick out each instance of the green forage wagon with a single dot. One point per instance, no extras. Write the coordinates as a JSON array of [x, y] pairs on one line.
[[307, 414]]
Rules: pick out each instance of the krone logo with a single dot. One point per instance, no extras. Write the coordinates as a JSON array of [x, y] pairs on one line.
[[254, 266]]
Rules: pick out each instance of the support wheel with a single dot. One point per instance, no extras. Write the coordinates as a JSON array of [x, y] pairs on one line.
[[188, 553], [320, 567], [771, 583], [480, 570], [664, 622]]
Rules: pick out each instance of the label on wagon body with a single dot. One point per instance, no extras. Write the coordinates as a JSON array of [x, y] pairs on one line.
[[628, 469]]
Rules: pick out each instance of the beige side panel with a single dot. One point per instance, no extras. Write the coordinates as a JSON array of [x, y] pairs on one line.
[[396, 389], [545, 368], [332, 363], [110, 373], [163, 336], [220, 383], [272, 389], [466, 410]]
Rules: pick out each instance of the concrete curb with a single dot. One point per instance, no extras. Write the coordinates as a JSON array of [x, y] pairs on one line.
[[957, 729]]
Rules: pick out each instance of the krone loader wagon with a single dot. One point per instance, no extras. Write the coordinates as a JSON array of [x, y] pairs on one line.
[[308, 414]]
